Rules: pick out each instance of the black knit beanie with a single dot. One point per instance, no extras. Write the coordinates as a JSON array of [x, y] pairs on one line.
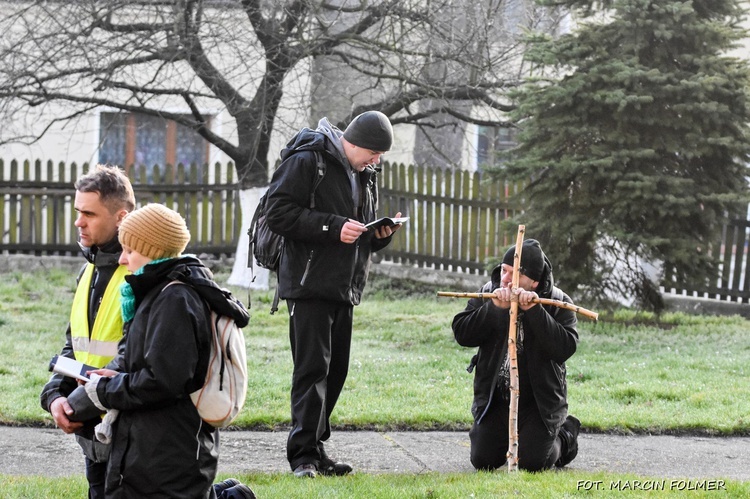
[[532, 259], [370, 130]]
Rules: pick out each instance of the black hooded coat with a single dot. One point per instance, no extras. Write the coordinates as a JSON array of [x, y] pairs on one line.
[[315, 264], [161, 447], [550, 339]]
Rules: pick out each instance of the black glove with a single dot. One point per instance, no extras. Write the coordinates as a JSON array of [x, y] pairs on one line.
[[84, 401]]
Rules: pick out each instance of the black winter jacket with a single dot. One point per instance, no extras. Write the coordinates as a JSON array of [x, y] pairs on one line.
[[550, 339], [315, 264], [161, 447]]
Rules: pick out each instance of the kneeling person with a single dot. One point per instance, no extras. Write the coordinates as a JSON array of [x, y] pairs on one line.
[[546, 338]]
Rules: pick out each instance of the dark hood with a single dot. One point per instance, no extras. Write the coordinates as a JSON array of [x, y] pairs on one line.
[[306, 140], [326, 138], [191, 271], [219, 299]]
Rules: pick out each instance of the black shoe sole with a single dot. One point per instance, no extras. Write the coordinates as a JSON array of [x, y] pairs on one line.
[[329, 467], [338, 469]]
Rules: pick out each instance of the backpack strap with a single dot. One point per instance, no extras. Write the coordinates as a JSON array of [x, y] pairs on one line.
[[275, 302], [320, 168], [204, 348]]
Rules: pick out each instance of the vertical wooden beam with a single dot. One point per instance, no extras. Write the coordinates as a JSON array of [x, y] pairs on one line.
[[515, 391]]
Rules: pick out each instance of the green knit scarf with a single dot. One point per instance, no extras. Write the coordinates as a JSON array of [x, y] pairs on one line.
[[127, 298]]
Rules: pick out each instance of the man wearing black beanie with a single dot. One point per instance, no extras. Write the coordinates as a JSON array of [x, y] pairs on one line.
[[546, 338], [320, 198], [370, 130]]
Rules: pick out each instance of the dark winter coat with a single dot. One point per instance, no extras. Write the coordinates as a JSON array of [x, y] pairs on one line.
[[315, 264], [161, 447], [550, 338]]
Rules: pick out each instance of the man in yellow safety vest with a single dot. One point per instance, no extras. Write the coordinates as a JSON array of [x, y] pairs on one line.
[[103, 198]]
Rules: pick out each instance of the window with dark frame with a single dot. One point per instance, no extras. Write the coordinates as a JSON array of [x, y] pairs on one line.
[[127, 139], [492, 141]]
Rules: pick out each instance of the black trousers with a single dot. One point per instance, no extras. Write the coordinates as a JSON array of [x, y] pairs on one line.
[[320, 333], [537, 448], [95, 475]]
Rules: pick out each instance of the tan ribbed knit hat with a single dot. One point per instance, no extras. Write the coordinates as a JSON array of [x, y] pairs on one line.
[[155, 231]]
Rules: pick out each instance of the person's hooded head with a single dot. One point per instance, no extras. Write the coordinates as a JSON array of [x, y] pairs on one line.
[[534, 264]]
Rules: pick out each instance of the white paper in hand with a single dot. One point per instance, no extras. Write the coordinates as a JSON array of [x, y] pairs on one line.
[[70, 367]]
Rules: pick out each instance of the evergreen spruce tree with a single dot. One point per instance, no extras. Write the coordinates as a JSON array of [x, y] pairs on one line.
[[636, 150]]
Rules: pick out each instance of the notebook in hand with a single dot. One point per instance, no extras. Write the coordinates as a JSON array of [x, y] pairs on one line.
[[70, 367], [386, 221]]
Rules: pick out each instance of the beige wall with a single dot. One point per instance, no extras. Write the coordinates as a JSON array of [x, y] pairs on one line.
[[77, 141]]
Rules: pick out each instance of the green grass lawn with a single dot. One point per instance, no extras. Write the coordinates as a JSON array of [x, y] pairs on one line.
[[632, 373], [550, 485]]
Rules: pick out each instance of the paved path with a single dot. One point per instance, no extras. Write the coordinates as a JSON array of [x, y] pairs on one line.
[[35, 451]]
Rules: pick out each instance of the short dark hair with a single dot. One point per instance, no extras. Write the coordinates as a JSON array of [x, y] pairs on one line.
[[113, 186]]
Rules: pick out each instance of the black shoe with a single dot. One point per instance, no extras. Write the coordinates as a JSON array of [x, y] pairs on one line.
[[239, 491], [222, 486], [329, 467], [569, 436], [306, 470]]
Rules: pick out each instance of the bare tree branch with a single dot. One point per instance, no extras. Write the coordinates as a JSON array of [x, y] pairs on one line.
[[433, 64]]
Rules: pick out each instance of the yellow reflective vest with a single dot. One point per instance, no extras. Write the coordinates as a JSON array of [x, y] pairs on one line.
[[98, 346]]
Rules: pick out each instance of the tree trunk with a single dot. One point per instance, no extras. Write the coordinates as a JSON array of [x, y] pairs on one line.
[[242, 275]]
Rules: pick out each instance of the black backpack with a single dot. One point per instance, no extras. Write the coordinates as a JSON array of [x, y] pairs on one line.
[[266, 245]]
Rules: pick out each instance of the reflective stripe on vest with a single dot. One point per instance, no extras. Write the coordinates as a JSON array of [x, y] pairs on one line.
[[100, 346]]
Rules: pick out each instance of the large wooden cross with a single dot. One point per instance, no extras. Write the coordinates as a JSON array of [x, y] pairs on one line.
[[515, 392], [512, 455]]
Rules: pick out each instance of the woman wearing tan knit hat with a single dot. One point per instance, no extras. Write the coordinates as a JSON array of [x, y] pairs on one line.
[[160, 445], [153, 232]]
